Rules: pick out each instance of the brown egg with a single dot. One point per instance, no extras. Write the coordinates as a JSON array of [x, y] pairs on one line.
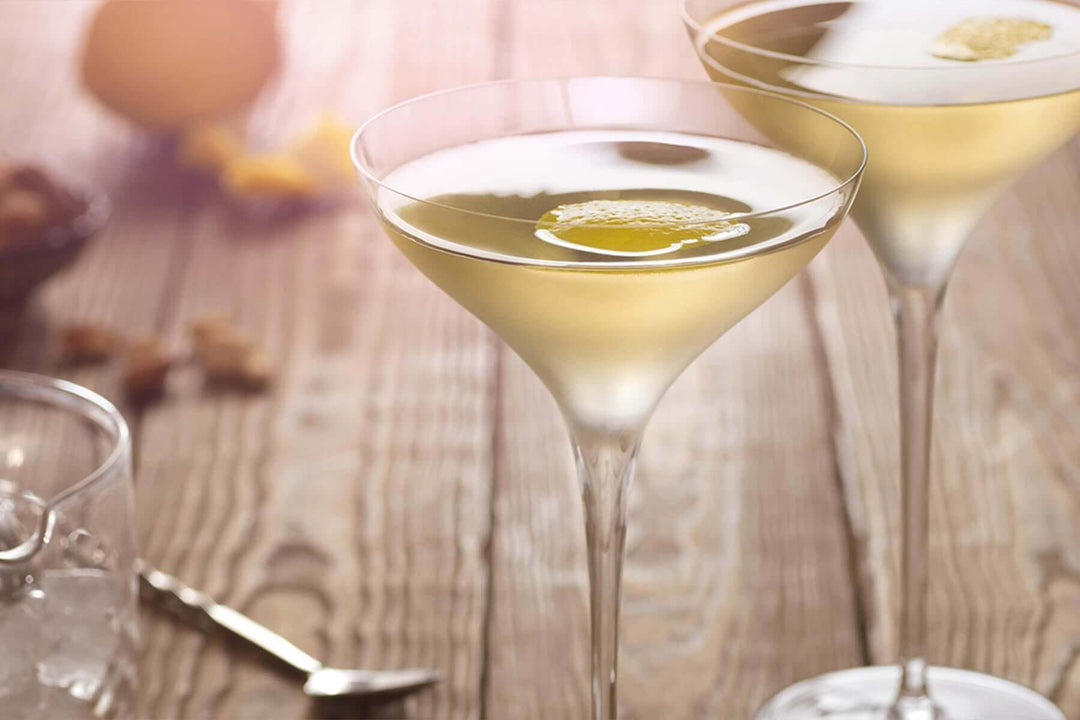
[[169, 63]]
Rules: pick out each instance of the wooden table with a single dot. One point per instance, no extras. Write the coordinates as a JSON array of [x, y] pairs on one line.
[[404, 495]]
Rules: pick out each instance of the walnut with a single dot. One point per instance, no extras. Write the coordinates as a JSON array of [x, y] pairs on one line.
[[147, 364], [23, 211], [228, 355], [222, 354], [89, 342], [32, 204], [256, 371], [8, 176], [208, 325]]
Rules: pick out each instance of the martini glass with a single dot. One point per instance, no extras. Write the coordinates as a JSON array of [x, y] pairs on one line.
[[608, 230], [955, 100]]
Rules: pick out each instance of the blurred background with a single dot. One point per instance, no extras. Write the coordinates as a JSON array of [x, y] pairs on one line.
[[363, 467]]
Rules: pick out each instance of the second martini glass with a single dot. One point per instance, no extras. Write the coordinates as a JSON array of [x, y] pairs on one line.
[[955, 99], [609, 230]]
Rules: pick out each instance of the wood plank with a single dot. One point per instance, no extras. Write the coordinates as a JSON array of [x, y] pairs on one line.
[[348, 509], [736, 580], [1005, 544]]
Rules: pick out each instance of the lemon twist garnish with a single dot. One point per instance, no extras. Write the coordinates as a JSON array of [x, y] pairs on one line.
[[988, 38], [635, 228]]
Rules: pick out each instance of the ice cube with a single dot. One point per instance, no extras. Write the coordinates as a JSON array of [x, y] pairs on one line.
[[20, 623], [79, 631]]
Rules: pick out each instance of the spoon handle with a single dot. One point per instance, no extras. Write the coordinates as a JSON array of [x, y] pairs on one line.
[[198, 607]]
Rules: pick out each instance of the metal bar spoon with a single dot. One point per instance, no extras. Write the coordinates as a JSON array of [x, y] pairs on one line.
[[322, 682]]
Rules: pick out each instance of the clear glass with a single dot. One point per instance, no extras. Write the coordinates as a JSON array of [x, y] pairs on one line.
[[67, 551], [936, 164], [607, 336]]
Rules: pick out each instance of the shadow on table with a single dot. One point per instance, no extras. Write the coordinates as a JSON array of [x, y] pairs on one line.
[[381, 708]]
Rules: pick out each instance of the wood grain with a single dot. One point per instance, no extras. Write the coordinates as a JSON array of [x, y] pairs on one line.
[[348, 510], [404, 496]]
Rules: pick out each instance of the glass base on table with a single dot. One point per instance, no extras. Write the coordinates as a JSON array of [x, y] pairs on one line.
[[867, 693]]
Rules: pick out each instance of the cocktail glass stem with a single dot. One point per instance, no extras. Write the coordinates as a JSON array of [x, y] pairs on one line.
[[605, 464], [915, 311]]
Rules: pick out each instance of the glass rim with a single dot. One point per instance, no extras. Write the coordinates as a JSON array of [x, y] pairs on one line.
[[34, 387], [691, 22], [368, 173]]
